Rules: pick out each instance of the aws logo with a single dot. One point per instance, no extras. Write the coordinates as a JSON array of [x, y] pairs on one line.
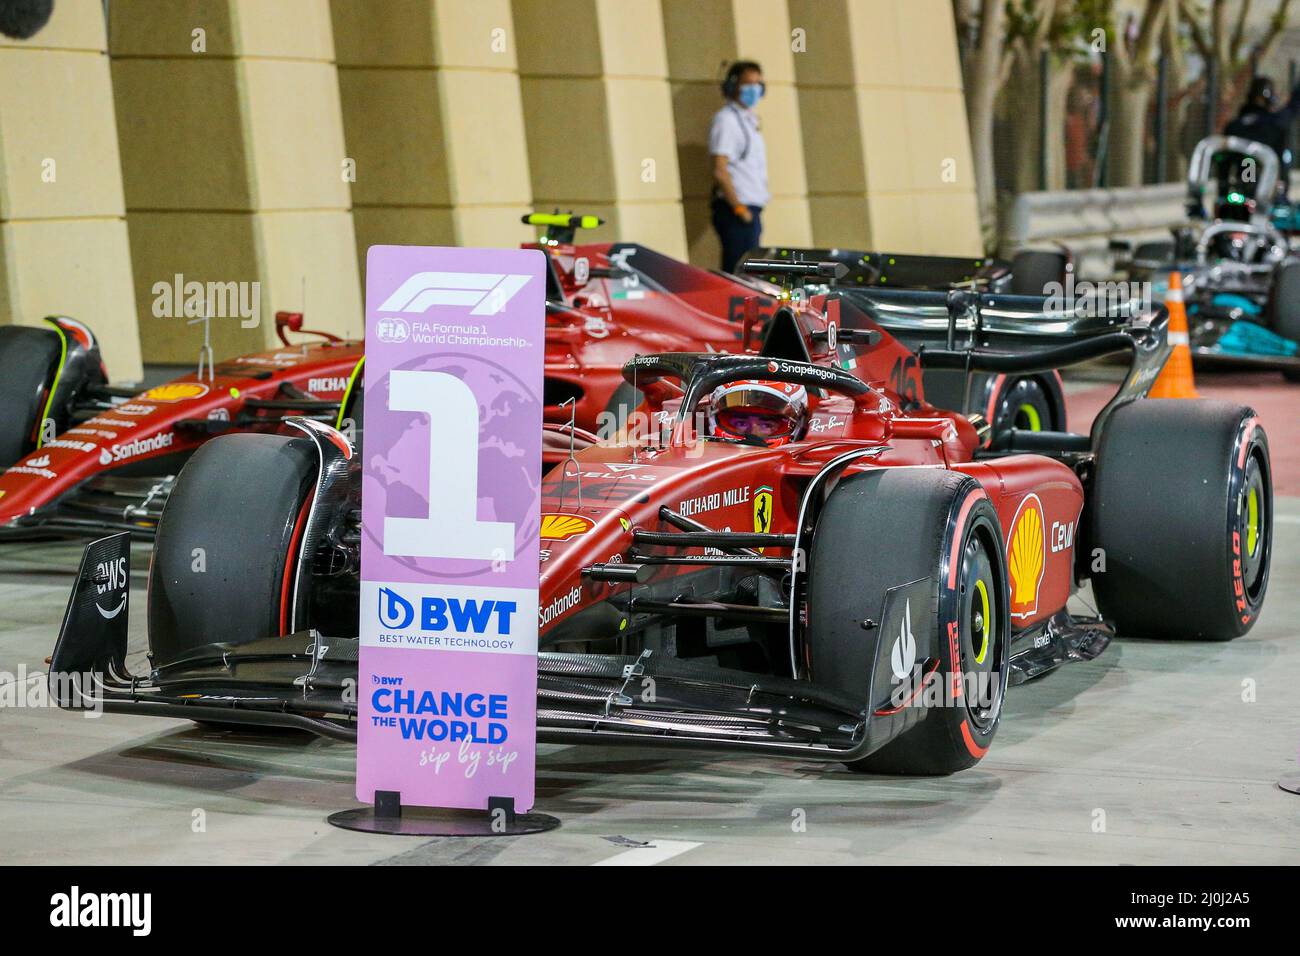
[[1027, 556], [110, 578]]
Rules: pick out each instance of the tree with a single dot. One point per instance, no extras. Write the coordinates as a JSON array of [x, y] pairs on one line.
[[1054, 34], [983, 76], [1222, 39], [1133, 54]]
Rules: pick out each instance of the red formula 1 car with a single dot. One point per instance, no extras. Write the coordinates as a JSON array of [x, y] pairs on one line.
[[608, 303], [861, 587], [85, 458]]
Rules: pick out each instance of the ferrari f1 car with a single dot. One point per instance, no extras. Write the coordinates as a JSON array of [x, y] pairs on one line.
[[863, 592], [83, 457], [1241, 281]]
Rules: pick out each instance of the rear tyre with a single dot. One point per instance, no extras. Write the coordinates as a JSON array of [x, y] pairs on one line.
[[948, 525], [1283, 307], [1026, 404], [1033, 270], [29, 359], [1182, 512], [225, 564]]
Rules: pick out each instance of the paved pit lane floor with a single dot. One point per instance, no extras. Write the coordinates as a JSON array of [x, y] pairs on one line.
[[1154, 753]]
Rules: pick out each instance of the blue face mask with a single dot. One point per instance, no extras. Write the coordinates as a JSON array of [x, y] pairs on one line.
[[750, 94]]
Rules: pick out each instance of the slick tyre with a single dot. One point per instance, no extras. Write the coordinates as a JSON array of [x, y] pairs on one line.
[[29, 360], [889, 527], [1182, 517], [1034, 270], [225, 563], [1029, 404], [1283, 306]]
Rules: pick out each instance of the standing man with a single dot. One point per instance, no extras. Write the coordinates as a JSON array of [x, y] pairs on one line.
[[739, 163], [1261, 122]]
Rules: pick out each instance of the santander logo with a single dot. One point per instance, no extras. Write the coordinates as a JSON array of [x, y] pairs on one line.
[[136, 447]]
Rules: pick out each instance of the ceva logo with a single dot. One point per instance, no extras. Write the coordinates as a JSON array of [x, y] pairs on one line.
[[487, 292]]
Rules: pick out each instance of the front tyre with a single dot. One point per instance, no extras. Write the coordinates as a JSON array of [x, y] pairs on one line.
[[225, 564], [885, 528], [29, 360], [1182, 512]]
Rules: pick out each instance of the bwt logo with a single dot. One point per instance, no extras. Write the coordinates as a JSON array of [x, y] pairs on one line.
[[487, 292], [464, 616]]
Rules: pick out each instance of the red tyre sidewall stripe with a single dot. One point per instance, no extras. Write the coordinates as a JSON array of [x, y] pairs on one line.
[[975, 749], [291, 563], [1247, 433], [1236, 556], [954, 561], [994, 395], [954, 558]]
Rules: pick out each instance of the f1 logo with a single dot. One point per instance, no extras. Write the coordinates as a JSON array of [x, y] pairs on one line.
[[487, 292]]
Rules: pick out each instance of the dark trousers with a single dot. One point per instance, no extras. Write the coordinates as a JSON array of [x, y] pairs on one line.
[[736, 235]]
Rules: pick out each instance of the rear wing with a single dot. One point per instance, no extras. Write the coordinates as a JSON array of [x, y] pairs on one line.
[[994, 320], [890, 269], [1007, 334]]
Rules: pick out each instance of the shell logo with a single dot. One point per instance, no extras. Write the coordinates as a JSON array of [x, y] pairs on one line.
[[562, 527], [1026, 556], [175, 392]]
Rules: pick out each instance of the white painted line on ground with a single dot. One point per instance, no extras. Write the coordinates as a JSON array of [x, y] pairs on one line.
[[1287, 519], [657, 852]]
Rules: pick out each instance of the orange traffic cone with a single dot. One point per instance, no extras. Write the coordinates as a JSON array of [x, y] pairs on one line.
[[1175, 379]]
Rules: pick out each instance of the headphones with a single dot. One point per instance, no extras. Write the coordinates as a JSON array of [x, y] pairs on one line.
[[731, 83]]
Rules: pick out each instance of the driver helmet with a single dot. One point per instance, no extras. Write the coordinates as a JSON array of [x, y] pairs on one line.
[[773, 413]]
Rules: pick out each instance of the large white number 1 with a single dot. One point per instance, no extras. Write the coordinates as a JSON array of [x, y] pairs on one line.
[[456, 532]]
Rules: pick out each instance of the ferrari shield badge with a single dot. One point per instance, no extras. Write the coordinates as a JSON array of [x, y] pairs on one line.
[[762, 510]]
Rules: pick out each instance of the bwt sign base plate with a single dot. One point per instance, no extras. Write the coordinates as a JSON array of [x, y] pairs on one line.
[[388, 816]]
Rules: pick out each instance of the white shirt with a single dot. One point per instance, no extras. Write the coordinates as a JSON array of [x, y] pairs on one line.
[[734, 134]]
